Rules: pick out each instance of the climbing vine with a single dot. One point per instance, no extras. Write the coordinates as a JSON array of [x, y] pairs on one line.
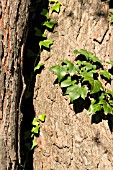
[[86, 78], [47, 24]]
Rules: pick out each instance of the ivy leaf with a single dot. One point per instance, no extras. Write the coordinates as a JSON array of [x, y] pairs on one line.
[[42, 117], [83, 92], [34, 144], [94, 58], [95, 86], [82, 51], [107, 108], [68, 82], [56, 7], [35, 122], [72, 69], [45, 13], [111, 102], [60, 71], [110, 92], [111, 62], [36, 129], [50, 24], [94, 108], [76, 91], [88, 66], [111, 17], [88, 55], [106, 74], [46, 43], [38, 66]]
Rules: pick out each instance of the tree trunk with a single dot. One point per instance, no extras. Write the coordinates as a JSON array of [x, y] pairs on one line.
[[13, 31], [68, 140]]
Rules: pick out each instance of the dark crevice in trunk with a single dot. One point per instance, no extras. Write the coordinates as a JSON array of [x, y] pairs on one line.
[[27, 107]]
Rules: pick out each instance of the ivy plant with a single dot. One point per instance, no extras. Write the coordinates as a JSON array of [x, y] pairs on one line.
[[86, 78], [34, 131]]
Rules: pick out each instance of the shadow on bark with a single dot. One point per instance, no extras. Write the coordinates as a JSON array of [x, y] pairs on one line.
[[27, 107]]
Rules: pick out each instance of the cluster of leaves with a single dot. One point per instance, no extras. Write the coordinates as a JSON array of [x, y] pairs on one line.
[[86, 78], [34, 131], [48, 24]]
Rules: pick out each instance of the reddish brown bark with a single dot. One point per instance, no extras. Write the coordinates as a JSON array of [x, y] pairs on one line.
[[13, 22]]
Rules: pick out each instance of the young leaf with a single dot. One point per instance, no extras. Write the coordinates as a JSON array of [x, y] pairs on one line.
[[36, 129], [94, 108], [34, 144], [49, 24], [42, 117], [45, 13], [106, 74], [35, 122], [60, 71], [107, 108], [68, 82], [46, 43], [56, 7], [38, 66]]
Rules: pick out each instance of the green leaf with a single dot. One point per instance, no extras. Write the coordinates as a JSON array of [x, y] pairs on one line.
[[111, 102], [68, 82], [34, 144], [110, 92], [46, 43], [72, 69], [35, 122], [42, 117], [45, 13], [88, 55], [107, 108], [106, 74], [56, 7], [111, 17], [83, 92], [95, 86], [38, 66], [94, 108], [88, 66], [60, 71], [49, 24], [36, 129], [111, 62], [76, 91]]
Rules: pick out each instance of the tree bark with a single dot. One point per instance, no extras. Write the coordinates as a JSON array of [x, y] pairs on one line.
[[68, 140], [13, 31]]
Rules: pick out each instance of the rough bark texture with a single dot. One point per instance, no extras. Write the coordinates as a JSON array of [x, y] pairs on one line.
[[68, 140], [13, 21]]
